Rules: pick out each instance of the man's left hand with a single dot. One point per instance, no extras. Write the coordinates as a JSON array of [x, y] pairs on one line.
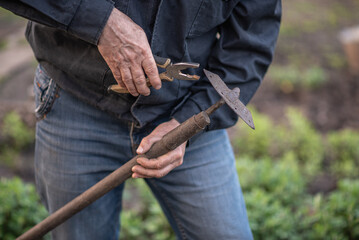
[[161, 166]]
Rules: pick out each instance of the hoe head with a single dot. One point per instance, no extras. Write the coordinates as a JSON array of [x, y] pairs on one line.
[[231, 97]]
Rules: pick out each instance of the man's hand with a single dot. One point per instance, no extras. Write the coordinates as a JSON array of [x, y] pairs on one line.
[[161, 166], [124, 46]]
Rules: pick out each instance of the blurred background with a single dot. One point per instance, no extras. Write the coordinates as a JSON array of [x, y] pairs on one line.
[[299, 169]]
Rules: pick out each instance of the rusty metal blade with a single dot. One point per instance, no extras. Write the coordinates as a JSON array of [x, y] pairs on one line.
[[174, 71], [231, 97]]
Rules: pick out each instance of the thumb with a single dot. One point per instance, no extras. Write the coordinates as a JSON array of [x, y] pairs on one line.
[[147, 143]]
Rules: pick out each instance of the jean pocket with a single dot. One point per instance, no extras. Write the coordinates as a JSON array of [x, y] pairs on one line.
[[45, 90]]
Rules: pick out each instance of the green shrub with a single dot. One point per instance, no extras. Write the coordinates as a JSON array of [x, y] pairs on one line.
[[343, 152], [266, 141], [290, 78], [304, 141], [147, 220], [268, 218], [18, 133], [298, 140], [272, 191], [20, 208], [337, 216], [16, 136], [278, 206], [282, 179]]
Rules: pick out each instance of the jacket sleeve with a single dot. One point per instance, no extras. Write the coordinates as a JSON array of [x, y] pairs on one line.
[[241, 57], [83, 18]]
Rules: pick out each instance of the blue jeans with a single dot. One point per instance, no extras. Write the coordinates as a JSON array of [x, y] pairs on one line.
[[78, 145]]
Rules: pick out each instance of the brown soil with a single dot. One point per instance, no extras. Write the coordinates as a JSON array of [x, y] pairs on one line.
[[333, 106]]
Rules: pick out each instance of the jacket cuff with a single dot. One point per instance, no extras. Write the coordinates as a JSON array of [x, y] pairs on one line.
[[90, 19]]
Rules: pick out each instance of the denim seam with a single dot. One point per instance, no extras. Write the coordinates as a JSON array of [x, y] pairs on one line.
[[165, 200]]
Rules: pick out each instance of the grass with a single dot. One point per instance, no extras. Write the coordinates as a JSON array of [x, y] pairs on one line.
[[8, 17]]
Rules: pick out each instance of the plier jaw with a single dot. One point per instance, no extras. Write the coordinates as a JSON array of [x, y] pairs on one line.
[[175, 71]]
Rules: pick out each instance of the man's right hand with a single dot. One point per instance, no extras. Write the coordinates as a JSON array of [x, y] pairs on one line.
[[124, 46]]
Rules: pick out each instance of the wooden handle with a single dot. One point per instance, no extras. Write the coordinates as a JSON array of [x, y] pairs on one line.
[[162, 62]]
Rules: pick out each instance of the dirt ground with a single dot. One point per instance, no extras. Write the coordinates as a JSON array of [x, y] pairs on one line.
[[333, 106]]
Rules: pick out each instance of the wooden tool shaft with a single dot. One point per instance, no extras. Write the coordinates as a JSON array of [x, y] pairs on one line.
[[169, 142]]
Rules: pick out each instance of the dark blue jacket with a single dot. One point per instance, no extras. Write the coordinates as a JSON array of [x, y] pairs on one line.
[[64, 34]]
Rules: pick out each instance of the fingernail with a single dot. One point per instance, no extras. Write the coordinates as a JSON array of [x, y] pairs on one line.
[[139, 149], [133, 169], [134, 175], [158, 86]]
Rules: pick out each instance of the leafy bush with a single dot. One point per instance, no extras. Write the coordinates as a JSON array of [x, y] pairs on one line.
[[343, 152], [279, 207], [255, 144], [271, 191], [15, 129], [298, 140], [16, 135], [147, 220], [283, 179], [268, 218], [305, 143], [268, 140], [337, 216], [19, 208]]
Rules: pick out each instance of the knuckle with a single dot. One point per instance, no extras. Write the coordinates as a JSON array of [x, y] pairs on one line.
[[145, 141], [132, 58], [178, 154], [180, 162], [160, 174], [132, 91], [139, 81], [127, 79], [158, 165], [125, 61], [116, 74], [151, 70]]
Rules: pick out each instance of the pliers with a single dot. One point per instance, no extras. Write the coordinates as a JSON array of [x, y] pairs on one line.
[[172, 71]]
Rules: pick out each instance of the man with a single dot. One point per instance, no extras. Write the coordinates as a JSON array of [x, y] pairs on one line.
[[84, 132]]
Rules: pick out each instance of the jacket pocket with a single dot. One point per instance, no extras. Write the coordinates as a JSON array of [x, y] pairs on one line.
[[211, 14], [45, 90]]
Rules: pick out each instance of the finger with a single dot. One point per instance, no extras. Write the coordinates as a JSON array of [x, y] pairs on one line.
[[153, 173], [127, 80], [136, 175], [140, 81], [147, 142], [162, 161], [117, 75], [156, 163], [149, 65]]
